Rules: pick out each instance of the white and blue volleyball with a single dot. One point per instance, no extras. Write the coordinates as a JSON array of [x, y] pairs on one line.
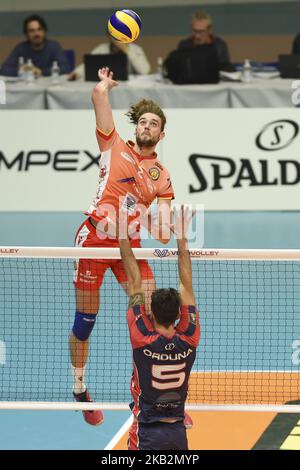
[[124, 26]]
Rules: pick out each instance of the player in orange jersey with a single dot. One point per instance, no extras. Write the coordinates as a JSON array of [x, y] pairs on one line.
[[131, 177]]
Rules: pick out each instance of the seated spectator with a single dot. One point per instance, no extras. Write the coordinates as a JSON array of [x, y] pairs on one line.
[[138, 63], [296, 45], [202, 34], [38, 48]]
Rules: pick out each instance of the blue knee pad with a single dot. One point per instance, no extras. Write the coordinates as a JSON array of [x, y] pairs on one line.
[[83, 325]]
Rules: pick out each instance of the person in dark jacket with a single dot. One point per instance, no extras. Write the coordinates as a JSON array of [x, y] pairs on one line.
[[202, 33], [296, 45], [38, 48]]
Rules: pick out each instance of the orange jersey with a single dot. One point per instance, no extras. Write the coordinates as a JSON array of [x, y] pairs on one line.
[[126, 179]]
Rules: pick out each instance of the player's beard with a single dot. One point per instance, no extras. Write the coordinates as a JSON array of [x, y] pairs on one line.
[[147, 142]]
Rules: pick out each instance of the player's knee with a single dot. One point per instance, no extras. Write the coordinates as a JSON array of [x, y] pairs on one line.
[[83, 325]]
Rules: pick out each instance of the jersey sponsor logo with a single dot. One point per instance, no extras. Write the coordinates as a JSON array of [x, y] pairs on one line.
[[88, 275], [140, 172], [170, 347], [129, 204], [159, 166], [127, 157], [131, 179], [167, 357], [154, 173], [85, 281], [103, 171], [167, 405], [161, 253]]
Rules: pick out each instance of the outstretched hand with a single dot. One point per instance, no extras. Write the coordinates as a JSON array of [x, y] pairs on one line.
[[106, 77]]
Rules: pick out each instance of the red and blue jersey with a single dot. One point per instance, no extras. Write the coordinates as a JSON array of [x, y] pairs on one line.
[[162, 365]]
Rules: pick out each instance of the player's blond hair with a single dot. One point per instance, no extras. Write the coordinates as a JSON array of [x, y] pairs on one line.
[[146, 106], [201, 15]]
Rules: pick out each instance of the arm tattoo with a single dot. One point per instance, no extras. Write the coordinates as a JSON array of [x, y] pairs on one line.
[[137, 299]]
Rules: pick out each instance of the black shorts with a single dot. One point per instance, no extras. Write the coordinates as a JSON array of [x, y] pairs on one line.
[[158, 436]]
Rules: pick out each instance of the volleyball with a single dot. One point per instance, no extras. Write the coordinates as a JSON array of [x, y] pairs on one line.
[[124, 26]]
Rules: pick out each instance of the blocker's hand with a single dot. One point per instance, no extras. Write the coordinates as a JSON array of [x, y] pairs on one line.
[[182, 217], [106, 78]]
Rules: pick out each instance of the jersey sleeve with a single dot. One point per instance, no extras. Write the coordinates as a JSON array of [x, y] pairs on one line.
[[189, 326], [106, 141], [165, 189], [141, 330]]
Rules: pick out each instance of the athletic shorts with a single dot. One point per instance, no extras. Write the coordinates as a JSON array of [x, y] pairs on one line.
[[157, 436], [89, 273]]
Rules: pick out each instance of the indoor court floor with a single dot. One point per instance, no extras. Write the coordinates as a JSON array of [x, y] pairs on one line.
[[66, 430]]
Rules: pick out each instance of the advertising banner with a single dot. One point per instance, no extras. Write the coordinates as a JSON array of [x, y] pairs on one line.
[[225, 159]]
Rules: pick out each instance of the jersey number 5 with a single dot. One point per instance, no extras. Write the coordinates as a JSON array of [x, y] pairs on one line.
[[170, 376]]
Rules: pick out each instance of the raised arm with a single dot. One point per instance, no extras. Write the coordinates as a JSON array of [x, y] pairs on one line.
[[188, 326], [135, 290], [186, 290], [104, 117]]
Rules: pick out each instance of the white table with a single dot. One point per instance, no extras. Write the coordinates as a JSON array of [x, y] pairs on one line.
[[261, 93], [21, 95], [272, 93], [77, 95]]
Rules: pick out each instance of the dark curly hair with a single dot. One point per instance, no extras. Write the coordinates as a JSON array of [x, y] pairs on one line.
[[146, 106], [165, 305], [37, 18]]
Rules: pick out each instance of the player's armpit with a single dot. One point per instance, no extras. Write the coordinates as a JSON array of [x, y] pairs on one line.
[[137, 298]]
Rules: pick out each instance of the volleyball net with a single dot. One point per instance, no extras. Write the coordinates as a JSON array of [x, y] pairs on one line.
[[249, 352]]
